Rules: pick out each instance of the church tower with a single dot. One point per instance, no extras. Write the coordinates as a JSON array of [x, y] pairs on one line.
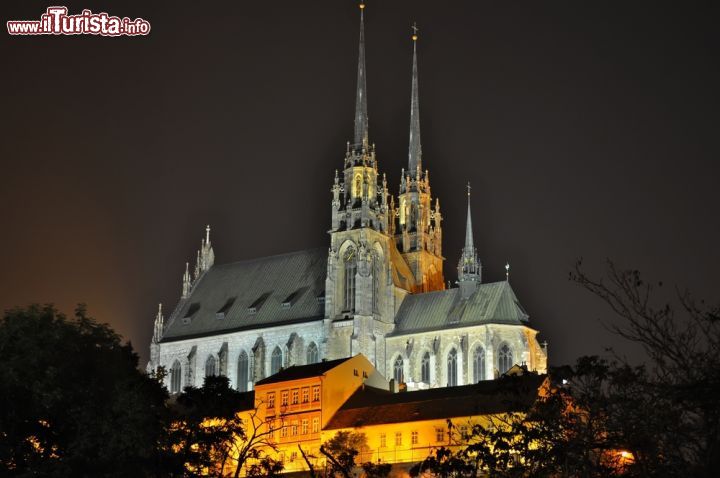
[[419, 231], [359, 301]]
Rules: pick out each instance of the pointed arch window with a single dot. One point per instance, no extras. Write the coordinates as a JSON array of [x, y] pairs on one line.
[[398, 374], [452, 368], [376, 283], [176, 377], [210, 366], [276, 361], [312, 353], [505, 358], [425, 368], [350, 271], [478, 364], [242, 372]]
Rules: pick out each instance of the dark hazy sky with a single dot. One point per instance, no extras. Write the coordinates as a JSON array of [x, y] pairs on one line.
[[587, 129]]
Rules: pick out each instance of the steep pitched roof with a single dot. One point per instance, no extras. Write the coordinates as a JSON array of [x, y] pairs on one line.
[[297, 372], [250, 294], [371, 406], [494, 303]]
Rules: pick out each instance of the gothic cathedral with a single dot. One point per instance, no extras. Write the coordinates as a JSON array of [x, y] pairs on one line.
[[378, 290]]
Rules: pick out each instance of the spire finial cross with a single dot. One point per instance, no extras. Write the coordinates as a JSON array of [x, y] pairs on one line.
[[415, 30], [468, 188]]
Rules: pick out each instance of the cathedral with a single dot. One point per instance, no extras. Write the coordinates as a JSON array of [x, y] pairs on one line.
[[377, 290]]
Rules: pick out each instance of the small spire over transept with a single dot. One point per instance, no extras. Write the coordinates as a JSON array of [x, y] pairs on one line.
[[469, 243], [361, 115], [415, 147], [469, 268]]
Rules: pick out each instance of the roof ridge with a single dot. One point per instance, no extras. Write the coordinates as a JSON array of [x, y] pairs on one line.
[[272, 256]]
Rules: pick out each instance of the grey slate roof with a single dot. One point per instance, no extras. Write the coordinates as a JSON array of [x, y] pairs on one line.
[[494, 303], [282, 289], [371, 406]]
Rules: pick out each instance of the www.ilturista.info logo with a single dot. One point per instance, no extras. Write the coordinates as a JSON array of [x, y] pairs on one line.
[[56, 21]]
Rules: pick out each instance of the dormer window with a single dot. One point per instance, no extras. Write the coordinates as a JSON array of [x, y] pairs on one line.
[[255, 306], [222, 313]]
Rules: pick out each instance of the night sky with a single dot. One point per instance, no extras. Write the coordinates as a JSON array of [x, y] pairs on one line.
[[586, 128]]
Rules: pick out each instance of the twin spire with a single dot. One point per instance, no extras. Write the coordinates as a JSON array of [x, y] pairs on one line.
[[361, 138], [415, 149], [361, 116]]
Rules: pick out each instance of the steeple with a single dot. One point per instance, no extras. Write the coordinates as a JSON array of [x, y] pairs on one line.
[[415, 149], [469, 243], [361, 116], [469, 268]]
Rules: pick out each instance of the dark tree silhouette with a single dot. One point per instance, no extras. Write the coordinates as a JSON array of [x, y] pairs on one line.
[[72, 401]]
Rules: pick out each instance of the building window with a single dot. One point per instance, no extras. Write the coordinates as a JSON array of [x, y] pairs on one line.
[[398, 370], [284, 398], [505, 358], [276, 361], [316, 394], [425, 368], [295, 395], [452, 368], [294, 428], [283, 431], [439, 435], [305, 395], [376, 283], [398, 438], [479, 364], [414, 438], [312, 353], [350, 270], [293, 455], [176, 377], [210, 367], [242, 373], [271, 400], [271, 427], [316, 425], [304, 426], [383, 440]]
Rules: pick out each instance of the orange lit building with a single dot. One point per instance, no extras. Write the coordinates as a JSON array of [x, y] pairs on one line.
[[307, 405], [298, 402]]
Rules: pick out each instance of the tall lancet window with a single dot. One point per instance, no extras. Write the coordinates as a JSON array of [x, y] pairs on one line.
[[210, 366], [176, 377], [276, 361], [505, 358], [452, 368], [479, 364], [312, 353], [398, 374], [350, 271], [376, 283], [242, 372], [425, 368]]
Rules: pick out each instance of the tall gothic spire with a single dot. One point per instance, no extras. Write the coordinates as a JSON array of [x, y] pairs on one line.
[[361, 116], [415, 149]]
